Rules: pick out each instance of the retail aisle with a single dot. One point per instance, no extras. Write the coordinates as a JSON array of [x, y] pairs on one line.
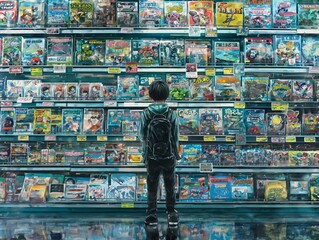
[[130, 226]]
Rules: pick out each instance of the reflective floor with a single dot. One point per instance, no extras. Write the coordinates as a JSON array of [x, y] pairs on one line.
[[193, 226]]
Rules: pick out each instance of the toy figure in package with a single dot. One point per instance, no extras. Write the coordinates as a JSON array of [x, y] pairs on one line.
[[310, 51], [229, 14], [201, 88], [220, 187], [188, 121], [210, 154], [110, 92], [151, 13], [211, 121], [298, 158], [8, 13], [258, 50], [258, 14], [94, 154], [24, 119], [198, 51], [84, 91], [31, 13], [7, 120], [276, 123], [104, 13], [193, 188], [81, 13], [46, 91], [127, 13], [115, 154], [178, 85], [31, 88], [42, 121], [14, 89], [201, 13], [255, 88], [287, 50], [144, 83], [59, 51], [227, 155], [293, 127], [58, 13], [134, 155], [93, 121], [243, 187], [59, 91], [96, 91], [308, 16], [227, 88], [255, 121], [33, 51], [96, 192], [122, 188], [172, 52], [131, 122], [5, 154], [280, 90], [114, 121], [284, 13], [141, 191], [127, 87], [11, 50], [233, 120], [71, 91], [3, 82], [191, 154], [302, 90], [276, 190], [175, 14], [314, 187], [72, 121], [90, 51], [145, 52], [117, 52], [19, 153], [310, 124], [227, 52]]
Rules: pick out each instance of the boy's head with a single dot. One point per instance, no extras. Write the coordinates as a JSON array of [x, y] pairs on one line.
[[158, 91]]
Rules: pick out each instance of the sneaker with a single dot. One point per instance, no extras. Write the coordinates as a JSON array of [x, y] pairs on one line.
[[173, 218], [151, 219]]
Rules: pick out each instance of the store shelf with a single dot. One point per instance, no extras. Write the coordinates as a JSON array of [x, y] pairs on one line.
[[272, 31], [33, 168]]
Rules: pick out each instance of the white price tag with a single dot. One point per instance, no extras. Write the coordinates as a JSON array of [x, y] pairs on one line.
[[59, 69], [127, 30], [110, 104], [25, 100], [206, 167]]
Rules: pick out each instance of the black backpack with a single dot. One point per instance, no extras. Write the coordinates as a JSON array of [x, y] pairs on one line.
[[159, 136]]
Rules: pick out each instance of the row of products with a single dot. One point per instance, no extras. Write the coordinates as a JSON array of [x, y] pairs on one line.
[[283, 50], [192, 121], [103, 229], [119, 187], [135, 87], [124, 13]]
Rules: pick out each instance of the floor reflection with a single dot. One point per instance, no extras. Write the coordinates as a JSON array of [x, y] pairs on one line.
[[190, 228]]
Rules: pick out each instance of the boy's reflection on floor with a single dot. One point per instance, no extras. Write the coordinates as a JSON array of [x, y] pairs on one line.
[[152, 233]]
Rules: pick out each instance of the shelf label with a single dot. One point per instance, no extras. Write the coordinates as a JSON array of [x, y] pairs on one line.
[[114, 70], [278, 139], [209, 138], [53, 30], [210, 72], [211, 31], [278, 106], [242, 31], [230, 139], [291, 139], [110, 104], [194, 31], [36, 71], [239, 105], [183, 138], [127, 205], [15, 70], [310, 139], [206, 167], [129, 138], [47, 104], [59, 69], [261, 139], [23, 138], [228, 71], [313, 69], [25, 100], [49, 138], [191, 70], [127, 30], [101, 138], [6, 103], [81, 138]]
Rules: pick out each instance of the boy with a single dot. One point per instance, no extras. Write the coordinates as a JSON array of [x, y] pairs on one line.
[[159, 134]]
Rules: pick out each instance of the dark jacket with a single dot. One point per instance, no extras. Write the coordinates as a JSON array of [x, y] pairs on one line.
[[146, 116]]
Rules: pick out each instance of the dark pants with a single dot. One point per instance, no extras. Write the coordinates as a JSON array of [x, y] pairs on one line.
[[154, 169]]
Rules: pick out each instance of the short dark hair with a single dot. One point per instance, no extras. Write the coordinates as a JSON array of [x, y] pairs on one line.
[[158, 91]]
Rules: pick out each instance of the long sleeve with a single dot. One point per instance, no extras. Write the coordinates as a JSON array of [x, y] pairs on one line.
[[175, 135]]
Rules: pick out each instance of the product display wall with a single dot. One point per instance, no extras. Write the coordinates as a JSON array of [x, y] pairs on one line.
[[243, 78]]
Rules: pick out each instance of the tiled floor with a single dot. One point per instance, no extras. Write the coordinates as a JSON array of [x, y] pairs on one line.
[[130, 226]]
